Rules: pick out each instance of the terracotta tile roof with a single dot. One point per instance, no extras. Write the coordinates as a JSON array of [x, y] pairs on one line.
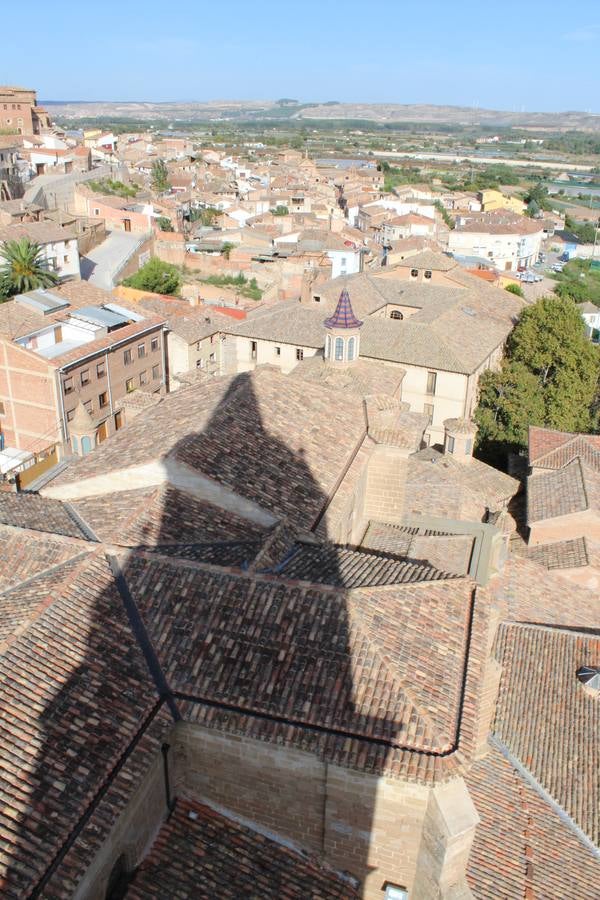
[[347, 568], [558, 493], [552, 449], [21, 604], [522, 847], [25, 554], [312, 655], [290, 465], [39, 514], [363, 377], [66, 714], [437, 481], [37, 232], [547, 719], [200, 853], [560, 554]]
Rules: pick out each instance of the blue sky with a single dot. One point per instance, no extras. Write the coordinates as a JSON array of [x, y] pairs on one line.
[[508, 55]]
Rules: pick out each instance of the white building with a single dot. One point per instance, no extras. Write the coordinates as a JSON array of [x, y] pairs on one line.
[[58, 246], [509, 241]]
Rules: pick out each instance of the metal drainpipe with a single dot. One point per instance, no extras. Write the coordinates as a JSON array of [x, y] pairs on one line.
[[110, 399], [170, 802], [63, 415], [164, 333]]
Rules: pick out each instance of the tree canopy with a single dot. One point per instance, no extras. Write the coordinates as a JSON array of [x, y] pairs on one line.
[[23, 268], [549, 377], [156, 276], [160, 176]]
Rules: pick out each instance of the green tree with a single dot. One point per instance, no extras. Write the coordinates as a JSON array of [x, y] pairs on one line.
[[156, 276], [548, 377], [515, 289], [160, 176], [23, 268], [164, 223], [280, 210], [227, 248]]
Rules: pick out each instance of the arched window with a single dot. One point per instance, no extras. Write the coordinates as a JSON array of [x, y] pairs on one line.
[[86, 445], [75, 445], [351, 345], [339, 348], [327, 347], [414, 273], [396, 314]]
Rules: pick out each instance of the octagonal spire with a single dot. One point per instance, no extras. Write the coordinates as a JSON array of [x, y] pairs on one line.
[[343, 316]]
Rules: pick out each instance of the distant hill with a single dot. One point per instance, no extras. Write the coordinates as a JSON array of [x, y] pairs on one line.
[[378, 113]]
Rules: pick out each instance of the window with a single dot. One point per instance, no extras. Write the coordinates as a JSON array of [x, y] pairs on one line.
[[2, 409], [450, 444], [70, 415], [427, 273], [253, 349], [198, 345], [351, 345], [103, 399], [68, 385], [86, 445], [396, 314], [127, 357], [154, 344], [327, 347], [143, 377], [277, 351], [141, 350], [65, 259], [339, 348], [129, 385], [74, 445], [395, 892], [199, 363], [468, 446], [428, 411], [414, 273], [316, 298], [155, 372], [88, 407], [299, 354], [101, 369], [431, 382], [212, 358], [85, 376]]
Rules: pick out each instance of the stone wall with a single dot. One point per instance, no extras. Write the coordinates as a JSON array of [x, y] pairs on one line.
[[375, 829]]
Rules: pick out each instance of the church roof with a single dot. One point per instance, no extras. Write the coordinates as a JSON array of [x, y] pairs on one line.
[[343, 316]]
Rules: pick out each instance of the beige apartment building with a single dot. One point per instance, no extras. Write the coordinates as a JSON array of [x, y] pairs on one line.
[[441, 327]]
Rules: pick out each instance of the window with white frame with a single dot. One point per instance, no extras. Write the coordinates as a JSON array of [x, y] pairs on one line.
[[351, 350], [339, 348]]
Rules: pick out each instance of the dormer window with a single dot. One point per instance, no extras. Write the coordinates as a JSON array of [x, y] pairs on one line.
[[396, 314]]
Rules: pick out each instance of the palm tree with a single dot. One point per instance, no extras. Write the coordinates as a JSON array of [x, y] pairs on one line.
[[23, 268]]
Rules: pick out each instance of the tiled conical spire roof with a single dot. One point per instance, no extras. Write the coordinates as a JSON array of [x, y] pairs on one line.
[[343, 316], [81, 421]]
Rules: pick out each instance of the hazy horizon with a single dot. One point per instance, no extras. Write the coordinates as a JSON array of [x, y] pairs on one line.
[[519, 57]]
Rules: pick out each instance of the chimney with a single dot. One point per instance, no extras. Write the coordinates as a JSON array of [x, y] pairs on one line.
[[459, 439]]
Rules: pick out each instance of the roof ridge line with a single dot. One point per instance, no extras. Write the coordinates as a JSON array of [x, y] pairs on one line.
[[43, 605], [46, 572], [532, 781]]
